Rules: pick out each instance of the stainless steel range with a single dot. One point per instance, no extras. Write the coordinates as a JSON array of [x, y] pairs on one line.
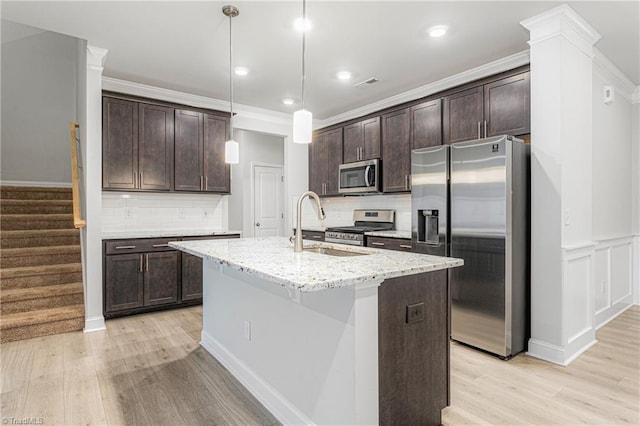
[[365, 221]]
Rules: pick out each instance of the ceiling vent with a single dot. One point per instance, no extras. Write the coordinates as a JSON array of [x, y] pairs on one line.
[[367, 82]]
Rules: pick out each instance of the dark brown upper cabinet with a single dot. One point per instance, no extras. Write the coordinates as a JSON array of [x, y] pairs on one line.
[[119, 144], [158, 147], [199, 152], [362, 140], [325, 157], [496, 108], [155, 147], [396, 151], [137, 146], [426, 124]]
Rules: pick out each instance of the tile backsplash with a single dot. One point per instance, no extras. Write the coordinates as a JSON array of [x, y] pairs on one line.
[[163, 212], [339, 210]]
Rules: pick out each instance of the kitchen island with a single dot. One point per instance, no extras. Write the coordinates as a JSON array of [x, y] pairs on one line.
[[333, 335]]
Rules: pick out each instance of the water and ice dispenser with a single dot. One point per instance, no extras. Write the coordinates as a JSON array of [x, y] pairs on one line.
[[428, 226]]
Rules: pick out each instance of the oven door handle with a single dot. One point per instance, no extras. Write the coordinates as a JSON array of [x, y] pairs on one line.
[[366, 176]]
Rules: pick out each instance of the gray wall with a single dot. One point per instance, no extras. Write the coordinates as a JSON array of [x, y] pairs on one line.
[[254, 147], [39, 100]]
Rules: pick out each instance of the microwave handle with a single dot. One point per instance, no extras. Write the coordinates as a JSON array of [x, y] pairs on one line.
[[366, 176]]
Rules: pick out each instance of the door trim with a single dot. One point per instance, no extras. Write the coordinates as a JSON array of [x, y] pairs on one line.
[[255, 164]]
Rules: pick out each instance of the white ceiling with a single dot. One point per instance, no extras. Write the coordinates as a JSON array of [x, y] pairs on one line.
[[184, 45]]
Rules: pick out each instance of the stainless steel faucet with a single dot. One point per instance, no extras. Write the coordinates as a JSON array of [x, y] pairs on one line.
[[297, 245]]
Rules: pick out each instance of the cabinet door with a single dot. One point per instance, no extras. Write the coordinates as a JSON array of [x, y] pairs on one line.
[[352, 142], [507, 106], [333, 142], [123, 282], [155, 147], [371, 138], [191, 277], [188, 151], [396, 155], [160, 278], [318, 157], [119, 144], [463, 115], [426, 124], [217, 176]]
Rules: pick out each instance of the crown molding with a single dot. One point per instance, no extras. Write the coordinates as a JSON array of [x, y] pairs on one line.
[[486, 70], [565, 22], [96, 57], [168, 95], [612, 75]]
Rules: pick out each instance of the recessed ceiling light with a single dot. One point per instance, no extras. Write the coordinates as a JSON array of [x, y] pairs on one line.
[[302, 25], [241, 71], [344, 75], [438, 30], [287, 101]]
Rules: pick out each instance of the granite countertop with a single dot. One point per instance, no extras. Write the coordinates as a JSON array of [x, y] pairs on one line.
[[313, 228], [273, 259], [115, 235], [390, 234]]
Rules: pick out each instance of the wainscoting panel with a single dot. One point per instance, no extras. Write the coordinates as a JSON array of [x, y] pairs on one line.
[[614, 278]]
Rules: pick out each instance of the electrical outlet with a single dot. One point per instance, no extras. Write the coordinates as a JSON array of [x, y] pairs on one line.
[[247, 330], [415, 312]]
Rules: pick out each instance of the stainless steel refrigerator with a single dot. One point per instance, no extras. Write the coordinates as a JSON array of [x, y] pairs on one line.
[[471, 200]]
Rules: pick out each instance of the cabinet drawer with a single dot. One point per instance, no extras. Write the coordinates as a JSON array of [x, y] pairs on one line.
[[400, 244], [138, 245], [313, 235]]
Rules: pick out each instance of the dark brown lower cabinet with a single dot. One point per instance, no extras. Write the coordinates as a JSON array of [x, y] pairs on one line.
[[123, 286], [145, 274], [191, 277], [161, 276], [413, 354]]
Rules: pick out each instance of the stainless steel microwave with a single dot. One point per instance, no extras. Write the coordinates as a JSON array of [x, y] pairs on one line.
[[361, 177]]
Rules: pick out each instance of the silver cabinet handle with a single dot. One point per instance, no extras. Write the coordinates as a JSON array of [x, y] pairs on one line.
[[317, 237], [140, 183], [140, 264], [135, 180], [375, 243], [201, 179], [147, 262], [479, 135], [206, 183], [124, 247], [485, 128], [405, 246], [160, 245]]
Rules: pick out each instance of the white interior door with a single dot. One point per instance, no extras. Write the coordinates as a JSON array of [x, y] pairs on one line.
[[268, 201]]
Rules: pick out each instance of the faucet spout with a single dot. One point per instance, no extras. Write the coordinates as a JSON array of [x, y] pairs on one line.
[[297, 245]]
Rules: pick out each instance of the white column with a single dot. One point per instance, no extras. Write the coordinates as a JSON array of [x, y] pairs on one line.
[[561, 50], [94, 320]]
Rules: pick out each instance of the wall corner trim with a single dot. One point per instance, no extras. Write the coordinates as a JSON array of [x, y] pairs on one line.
[[94, 324], [635, 96]]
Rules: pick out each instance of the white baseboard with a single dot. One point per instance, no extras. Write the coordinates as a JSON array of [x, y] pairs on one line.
[[562, 355], [94, 324], [636, 269], [606, 315], [36, 184], [275, 402]]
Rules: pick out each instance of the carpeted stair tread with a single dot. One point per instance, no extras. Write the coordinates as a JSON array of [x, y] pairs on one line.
[[25, 271], [36, 221], [38, 216], [19, 294], [41, 316], [35, 251], [38, 238], [33, 256], [35, 193], [11, 206]]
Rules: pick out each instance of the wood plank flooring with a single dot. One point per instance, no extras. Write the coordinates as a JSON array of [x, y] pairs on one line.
[[150, 370]]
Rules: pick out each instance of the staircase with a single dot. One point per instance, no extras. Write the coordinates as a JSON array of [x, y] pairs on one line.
[[41, 290]]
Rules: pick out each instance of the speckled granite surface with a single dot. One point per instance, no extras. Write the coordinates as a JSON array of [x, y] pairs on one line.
[[114, 235], [390, 234], [273, 259]]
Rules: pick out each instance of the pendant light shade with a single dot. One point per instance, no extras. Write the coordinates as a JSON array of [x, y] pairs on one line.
[[231, 152], [231, 147], [302, 126], [303, 119]]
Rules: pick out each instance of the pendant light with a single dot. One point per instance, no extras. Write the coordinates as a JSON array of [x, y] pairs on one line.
[[302, 119], [231, 147]]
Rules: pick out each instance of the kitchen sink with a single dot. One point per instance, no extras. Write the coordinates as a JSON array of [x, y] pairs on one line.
[[334, 252]]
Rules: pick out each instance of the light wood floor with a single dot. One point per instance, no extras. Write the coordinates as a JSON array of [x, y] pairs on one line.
[[150, 370]]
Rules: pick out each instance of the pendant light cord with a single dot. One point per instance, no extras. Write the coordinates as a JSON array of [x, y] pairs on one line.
[[304, 33], [231, 77]]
